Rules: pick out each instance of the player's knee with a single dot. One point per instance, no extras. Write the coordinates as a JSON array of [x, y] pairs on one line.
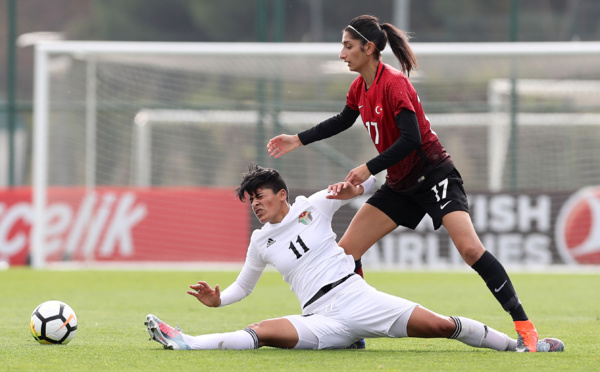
[[347, 245], [438, 327], [471, 252], [264, 327], [448, 327], [443, 327], [254, 326], [352, 251]]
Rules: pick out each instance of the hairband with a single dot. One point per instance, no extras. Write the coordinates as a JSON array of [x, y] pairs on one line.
[[359, 34]]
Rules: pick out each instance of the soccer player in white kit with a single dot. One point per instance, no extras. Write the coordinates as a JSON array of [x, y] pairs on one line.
[[338, 306]]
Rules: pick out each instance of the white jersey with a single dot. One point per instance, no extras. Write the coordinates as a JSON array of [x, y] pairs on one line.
[[302, 247]]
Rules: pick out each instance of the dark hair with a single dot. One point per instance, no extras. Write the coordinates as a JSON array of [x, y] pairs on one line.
[[380, 35], [260, 178]]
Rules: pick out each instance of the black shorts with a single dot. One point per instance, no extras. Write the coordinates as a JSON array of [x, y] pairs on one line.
[[437, 197]]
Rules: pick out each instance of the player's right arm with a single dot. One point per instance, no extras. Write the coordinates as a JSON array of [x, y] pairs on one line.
[[331, 199], [244, 284], [205, 294], [284, 143], [237, 291], [345, 190]]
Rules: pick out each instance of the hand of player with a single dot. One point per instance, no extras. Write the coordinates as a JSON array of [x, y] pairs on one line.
[[282, 144], [343, 191], [205, 294], [358, 175]]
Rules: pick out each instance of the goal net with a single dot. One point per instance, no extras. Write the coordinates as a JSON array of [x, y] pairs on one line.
[[138, 147]]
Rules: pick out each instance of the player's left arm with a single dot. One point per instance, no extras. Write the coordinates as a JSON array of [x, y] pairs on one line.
[[346, 191], [242, 287], [409, 141], [329, 203], [205, 294], [237, 291]]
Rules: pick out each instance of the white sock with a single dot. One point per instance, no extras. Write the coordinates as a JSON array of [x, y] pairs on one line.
[[239, 340], [477, 334]]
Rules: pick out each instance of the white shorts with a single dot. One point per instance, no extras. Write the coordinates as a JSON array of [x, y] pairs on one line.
[[350, 312]]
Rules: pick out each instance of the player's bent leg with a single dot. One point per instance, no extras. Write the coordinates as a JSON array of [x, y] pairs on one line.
[[279, 332], [463, 235], [465, 239], [367, 227]]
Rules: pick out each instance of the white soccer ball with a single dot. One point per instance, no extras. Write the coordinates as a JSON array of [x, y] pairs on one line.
[[53, 322]]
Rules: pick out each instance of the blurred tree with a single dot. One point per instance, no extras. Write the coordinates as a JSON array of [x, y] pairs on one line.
[[140, 20], [225, 20], [209, 20], [235, 20]]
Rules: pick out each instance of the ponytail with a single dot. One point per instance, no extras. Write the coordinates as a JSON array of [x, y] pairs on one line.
[[366, 28], [398, 40]]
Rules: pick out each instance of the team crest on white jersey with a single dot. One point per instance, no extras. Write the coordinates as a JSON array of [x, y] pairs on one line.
[[305, 218]]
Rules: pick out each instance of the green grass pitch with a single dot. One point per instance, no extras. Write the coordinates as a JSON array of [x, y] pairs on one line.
[[111, 307]]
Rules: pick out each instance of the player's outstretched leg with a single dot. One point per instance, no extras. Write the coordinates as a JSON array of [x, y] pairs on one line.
[[163, 333], [424, 323], [173, 338], [477, 334]]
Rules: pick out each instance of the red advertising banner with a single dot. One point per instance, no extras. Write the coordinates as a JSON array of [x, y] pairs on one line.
[[128, 225], [114, 224], [15, 224]]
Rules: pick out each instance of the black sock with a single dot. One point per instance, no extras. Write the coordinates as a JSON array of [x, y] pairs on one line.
[[358, 268], [498, 282]]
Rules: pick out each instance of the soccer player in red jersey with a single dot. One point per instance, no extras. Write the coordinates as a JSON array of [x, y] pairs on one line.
[[421, 177]]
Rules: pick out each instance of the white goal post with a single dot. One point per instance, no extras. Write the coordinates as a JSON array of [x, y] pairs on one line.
[[102, 112]]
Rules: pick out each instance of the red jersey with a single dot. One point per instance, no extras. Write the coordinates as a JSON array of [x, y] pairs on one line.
[[390, 93]]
